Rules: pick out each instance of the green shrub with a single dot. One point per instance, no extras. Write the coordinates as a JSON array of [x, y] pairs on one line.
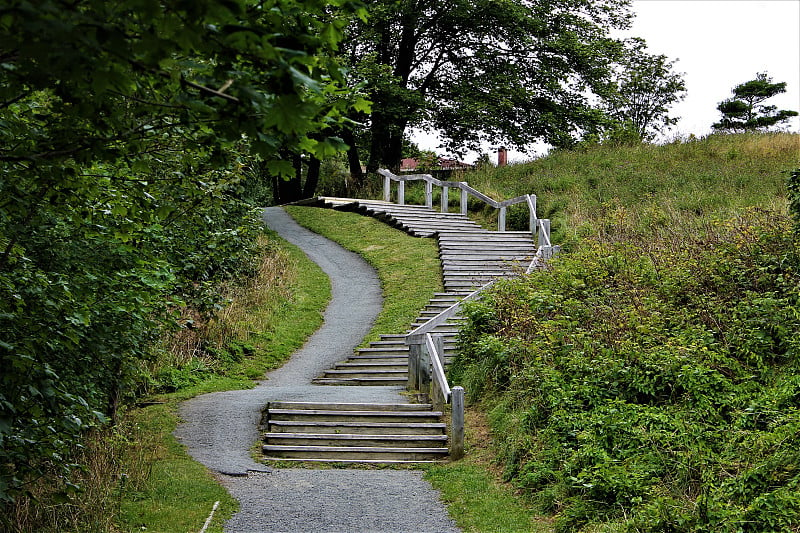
[[794, 198], [650, 386]]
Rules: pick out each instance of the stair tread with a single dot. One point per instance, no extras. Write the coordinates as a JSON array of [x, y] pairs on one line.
[[324, 423], [350, 449], [356, 461], [336, 412], [350, 406], [354, 436]]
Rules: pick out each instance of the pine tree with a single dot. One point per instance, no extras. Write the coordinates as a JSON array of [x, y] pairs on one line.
[[743, 112]]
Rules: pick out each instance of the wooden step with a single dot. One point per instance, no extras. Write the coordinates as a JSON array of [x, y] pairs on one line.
[[356, 461], [366, 366], [329, 406], [348, 373], [359, 453], [367, 428], [370, 382], [355, 440], [340, 415]]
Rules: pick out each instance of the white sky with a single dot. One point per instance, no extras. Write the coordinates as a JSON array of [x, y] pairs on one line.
[[718, 44]]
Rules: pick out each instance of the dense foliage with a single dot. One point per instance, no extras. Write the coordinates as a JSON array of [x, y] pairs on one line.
[[794, 197], [124, 131], [508, 72], [648, 386]]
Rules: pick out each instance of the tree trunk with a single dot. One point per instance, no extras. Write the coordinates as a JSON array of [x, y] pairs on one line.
[[284, 190], [312, 177], [353, 159]]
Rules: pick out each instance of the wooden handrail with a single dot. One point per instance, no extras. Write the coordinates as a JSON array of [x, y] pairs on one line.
[[437, 367], [389, 177]]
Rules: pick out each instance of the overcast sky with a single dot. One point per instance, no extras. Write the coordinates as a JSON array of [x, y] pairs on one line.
[[718, 44]]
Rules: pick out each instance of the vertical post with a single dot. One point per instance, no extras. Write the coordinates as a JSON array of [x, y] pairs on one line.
[[401, 192], [438, 342], [532, 213], [428, 194], [501, 219], [445, 194], [463, 200], [437, 395], [544, 232], [424, 374], [413, 366], [387, 189], [457, 424]]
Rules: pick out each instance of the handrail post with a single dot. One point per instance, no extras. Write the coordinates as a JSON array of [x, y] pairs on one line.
[[532, 225], [445, 194], [413, 366], [387, 189], [424, 371], [501, 219], [438, 342], [544, 232], [401, 192], [464, 200], [428, 194], [438, 395], [457, 423]]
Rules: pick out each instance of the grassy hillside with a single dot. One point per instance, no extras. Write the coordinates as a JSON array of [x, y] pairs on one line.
[[649, 188], [648, 381]]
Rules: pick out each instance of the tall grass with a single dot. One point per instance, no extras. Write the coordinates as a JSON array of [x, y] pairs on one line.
[[678, 185]]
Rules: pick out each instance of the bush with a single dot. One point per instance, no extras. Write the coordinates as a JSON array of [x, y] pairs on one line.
[[794, 198], [653, 387]]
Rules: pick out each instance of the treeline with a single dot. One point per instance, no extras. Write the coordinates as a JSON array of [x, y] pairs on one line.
[[648, 379], [128, 133]]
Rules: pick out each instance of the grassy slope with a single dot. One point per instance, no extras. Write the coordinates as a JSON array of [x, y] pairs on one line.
[[652, 186], [649, 202]]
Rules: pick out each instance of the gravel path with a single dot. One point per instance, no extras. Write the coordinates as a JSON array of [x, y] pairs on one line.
[[220, 428]]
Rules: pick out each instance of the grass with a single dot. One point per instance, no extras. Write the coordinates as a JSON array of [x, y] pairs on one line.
[[653, 188], [408, 267], [177, 493], [476, 497], [663, 205], [251, 334]]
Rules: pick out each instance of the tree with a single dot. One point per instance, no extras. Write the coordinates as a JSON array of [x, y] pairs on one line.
[[743, 112], [124, 129], [512, 72], [646, 88]]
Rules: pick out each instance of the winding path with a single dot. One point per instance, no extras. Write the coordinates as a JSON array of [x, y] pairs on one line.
[[220, 428]]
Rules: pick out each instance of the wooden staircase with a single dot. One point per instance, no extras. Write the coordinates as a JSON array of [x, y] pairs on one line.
[[471, 257], [353, 433], [385, 362], [395, 433]]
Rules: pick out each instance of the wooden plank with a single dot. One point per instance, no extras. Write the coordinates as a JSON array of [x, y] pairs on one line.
[[457, 421], [330, 406], [370, 428]]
